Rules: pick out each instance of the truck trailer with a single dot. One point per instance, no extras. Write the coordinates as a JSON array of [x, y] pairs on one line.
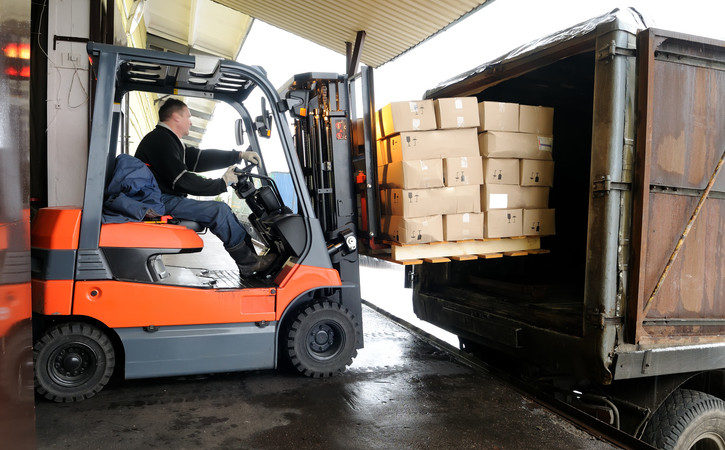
[[626, 314]]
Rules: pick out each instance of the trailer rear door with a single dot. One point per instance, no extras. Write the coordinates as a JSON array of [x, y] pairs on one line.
[[680, 140]]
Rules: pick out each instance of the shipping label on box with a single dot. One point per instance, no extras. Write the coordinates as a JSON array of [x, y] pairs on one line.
[[500, 171], [461, 227], [462, 171], [503, 223], [503, 144], [536, 119], [537, 173], [458, 199], [506, 196], [498, 116], [421, 174], [412, 145], [409, 202], [539, 222], [407, 116], [457, 112], [420, 230]]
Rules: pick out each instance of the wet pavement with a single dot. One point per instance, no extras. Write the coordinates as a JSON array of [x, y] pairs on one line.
[[401, 392]]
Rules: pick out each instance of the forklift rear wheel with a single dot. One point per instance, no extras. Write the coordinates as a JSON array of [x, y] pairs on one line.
[[73, 361], [322, 340]]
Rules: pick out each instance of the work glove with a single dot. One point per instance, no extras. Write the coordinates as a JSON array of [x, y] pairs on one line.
[[252, 157], [229, 176]]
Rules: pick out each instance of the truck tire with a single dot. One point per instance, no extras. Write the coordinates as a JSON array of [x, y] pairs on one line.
[[73, 362], [322, 340], [688, 419]]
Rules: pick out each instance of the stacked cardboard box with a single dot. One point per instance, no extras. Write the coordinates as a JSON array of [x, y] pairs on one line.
[[430, 170], [515, 142]]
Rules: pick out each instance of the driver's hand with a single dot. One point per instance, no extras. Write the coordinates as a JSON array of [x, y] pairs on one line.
[[229, 176], [252, 157]]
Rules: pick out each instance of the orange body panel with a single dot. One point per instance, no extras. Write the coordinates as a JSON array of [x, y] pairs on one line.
[[56, 228], [124, 304], [15, 304], [295, 279], [148, 235], [52, 296]]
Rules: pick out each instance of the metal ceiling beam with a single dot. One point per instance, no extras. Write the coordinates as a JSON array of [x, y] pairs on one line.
[[196, 129], [193, 15], [199, 114], [353, 53]]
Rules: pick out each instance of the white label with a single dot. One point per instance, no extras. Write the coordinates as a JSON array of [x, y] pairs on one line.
[[498, 201], [413, 107], [466, 218], [459, 121], [458, 103], [545, 143], [416, 123], [464, 162], [423, 165]]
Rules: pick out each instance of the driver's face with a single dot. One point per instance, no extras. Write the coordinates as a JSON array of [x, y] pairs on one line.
[[183, 118]]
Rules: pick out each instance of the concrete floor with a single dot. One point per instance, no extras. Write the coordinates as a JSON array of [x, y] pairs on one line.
[[400, 393]]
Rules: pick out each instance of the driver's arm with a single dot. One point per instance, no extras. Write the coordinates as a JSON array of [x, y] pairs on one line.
[[209, 159]]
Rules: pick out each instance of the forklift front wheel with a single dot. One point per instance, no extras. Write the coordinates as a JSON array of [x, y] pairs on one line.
[[73, 361], [322, 340]]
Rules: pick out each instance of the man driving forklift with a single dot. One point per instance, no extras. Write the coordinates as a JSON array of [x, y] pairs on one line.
[[174, 166]]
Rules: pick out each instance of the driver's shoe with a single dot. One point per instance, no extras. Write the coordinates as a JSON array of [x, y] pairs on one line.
[[248, 261]]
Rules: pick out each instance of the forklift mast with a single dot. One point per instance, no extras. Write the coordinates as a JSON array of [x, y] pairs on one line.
[[324, 144]]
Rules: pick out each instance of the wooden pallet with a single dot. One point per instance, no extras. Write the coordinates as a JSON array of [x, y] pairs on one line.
[[466, 250]]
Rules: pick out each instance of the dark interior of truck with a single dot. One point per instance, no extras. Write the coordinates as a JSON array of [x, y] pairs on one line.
[[543, 290]]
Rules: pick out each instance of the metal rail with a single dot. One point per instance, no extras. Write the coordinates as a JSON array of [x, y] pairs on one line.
[[581, 419]]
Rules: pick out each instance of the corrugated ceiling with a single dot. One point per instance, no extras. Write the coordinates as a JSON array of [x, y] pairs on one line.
[[391, 27]]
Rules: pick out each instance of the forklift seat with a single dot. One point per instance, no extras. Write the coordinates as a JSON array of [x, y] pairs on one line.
[[149, 235]]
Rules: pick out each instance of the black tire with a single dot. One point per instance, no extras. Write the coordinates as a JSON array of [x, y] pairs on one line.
[[322, 340], [73, 362], [688, 419]]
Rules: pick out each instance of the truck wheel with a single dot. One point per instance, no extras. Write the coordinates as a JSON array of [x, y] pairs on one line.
[[73, 361], [688, 420], [322, 340]]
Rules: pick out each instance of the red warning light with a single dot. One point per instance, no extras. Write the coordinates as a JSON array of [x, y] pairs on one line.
[[12, 71], [25, 72], [14, 50], [11, 50]]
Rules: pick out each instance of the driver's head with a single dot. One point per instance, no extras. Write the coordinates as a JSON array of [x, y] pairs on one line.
[[176, 115]]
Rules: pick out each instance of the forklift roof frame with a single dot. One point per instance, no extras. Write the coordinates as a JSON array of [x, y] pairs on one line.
[[124, 69]]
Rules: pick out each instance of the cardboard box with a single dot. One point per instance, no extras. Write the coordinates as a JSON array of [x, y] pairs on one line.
[[461, 227], [504, 144], [409, 202], [408, 146], [382, 147], [500, 171], [462, 171], [406, 116], [537, 173], [536, 119], [358, 140], [539, 222], [458, 199], [427, 202], [457, 112], [506, 196], [498, 116], [503, 223], [419, 230], [420, 174]]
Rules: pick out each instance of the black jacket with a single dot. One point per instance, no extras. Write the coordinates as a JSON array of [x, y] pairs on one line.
[[173, 165]]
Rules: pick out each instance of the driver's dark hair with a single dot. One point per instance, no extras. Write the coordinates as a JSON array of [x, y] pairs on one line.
[[169, 107]]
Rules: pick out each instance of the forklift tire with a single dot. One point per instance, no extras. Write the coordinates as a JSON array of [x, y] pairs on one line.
[[687, 419], [73, 362], [322, 340]]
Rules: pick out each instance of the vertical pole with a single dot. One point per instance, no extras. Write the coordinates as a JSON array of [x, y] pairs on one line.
[[371, 175]]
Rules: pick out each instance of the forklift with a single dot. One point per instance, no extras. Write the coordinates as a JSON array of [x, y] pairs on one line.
[[105, 302]]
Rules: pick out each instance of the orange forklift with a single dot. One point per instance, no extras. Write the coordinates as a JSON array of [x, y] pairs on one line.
[[104, 301]]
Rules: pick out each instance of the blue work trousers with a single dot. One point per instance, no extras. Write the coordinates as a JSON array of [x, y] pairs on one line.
[[216, 216]]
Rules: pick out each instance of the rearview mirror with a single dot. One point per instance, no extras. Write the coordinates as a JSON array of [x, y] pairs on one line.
[[263, 123], [239, 131]]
